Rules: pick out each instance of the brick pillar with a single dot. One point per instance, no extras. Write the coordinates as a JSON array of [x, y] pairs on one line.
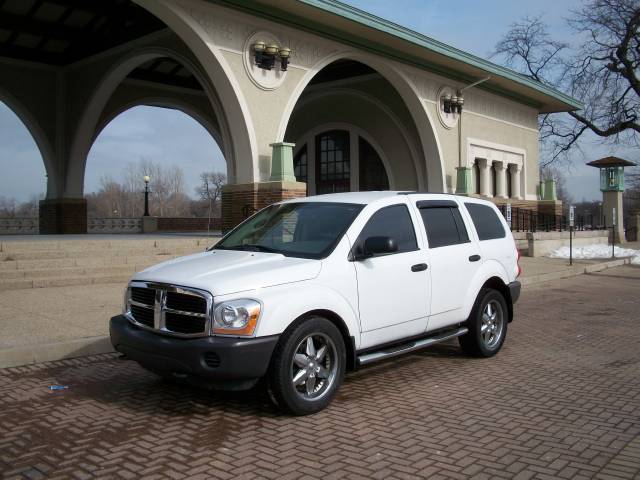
[[239, 201], [63, 215], [550, 207]]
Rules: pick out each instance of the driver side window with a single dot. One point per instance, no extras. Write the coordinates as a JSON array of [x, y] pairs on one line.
[[392, 221]]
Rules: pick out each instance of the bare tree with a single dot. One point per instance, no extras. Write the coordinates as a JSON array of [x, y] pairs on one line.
[[602, 71], [210, 188]]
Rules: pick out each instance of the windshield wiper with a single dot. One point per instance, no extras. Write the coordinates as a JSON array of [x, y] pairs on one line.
[[253, 247]]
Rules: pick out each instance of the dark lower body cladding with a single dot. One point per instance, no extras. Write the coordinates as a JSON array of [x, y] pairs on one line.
[[514, 290], [219, 362]]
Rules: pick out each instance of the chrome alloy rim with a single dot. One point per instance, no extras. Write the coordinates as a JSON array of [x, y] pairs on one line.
[[314, 366], [492, 324]]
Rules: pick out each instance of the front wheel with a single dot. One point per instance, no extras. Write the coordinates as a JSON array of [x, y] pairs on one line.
[[487, 325], [308, 366]]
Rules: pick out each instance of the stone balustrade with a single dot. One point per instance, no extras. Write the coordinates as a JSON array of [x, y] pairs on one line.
[[19, 226]]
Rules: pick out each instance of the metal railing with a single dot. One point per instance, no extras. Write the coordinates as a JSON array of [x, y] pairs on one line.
[[525, 220]]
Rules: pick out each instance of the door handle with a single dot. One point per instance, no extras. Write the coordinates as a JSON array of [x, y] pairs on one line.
[[419, 267], [474, 258]]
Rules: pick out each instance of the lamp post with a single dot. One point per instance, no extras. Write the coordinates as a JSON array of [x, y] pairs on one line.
[[612, 187], [146, 195]]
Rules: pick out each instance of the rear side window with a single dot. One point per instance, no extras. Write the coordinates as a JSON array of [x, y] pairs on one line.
[[486, 221], [393, 221], [444, 226]]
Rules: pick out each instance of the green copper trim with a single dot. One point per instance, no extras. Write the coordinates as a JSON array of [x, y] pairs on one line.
[[463, 181], [282, 162], [359, 16], [549, 190]]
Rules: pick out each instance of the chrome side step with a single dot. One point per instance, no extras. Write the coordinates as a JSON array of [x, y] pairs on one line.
[[401, 349]]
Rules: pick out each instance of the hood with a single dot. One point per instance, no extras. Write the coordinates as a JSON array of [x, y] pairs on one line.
[[222, 272]]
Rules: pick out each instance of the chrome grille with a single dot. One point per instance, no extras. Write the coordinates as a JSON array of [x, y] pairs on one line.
[[177, 322], [142, 315], [186, 303], [143, 295], [169, 309]]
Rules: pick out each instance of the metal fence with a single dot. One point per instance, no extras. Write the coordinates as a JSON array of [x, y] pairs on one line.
[[525, 220]]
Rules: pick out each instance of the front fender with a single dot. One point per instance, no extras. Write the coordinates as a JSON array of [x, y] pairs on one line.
[[285, 303], [489, 269]]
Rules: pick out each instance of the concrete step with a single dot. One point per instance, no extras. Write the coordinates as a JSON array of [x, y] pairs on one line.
[[129, 269], [96, 253], [20, 284], [10, 246], [70, 262]]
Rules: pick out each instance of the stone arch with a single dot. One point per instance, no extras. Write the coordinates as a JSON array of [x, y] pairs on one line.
[[382, 108], [40, 138], [309, 138], [213, 73], [243, 151], [164, 102], [431, 151], [89, 123]]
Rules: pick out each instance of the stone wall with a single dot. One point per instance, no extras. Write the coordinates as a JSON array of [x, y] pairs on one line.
[[543, 243], [18, 226], [168, 224]]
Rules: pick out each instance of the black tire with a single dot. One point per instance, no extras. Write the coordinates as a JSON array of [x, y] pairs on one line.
[[479, 342], [325, 374]]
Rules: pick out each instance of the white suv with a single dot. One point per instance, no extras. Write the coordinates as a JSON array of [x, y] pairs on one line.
[[309, 288]]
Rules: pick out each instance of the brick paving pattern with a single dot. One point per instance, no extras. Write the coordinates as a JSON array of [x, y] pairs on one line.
[[561, 401]]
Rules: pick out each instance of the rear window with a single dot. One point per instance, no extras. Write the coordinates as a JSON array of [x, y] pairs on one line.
[[444, 226], [486, 221]]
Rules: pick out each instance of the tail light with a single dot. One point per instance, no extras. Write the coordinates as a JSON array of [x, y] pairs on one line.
[[519, 268]]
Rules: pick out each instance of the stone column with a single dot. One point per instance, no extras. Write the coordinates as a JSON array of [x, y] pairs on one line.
[[501, 179], [611, 200], [484, 166], [514, 171]]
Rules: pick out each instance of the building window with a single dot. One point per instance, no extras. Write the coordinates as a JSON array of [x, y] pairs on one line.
[[509, 184], [372, 174], [300, 165], [333, 171]]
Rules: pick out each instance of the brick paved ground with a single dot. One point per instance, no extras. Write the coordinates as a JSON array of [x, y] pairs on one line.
[[562, 400]]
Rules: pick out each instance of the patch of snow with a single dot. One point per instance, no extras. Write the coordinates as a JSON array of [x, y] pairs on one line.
[[597, 251]]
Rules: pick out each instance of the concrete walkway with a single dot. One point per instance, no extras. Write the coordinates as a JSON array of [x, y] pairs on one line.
[[47, 324]]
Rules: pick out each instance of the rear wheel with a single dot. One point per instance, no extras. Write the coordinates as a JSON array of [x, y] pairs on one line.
[[308, 366], [487, 325]]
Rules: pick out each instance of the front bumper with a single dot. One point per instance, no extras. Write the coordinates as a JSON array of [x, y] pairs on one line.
[[211, 358], [514, 290]]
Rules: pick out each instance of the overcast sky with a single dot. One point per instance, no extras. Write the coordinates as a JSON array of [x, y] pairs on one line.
[[168, 136]]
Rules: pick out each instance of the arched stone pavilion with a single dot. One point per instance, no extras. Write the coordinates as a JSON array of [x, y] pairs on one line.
[[351, 101]]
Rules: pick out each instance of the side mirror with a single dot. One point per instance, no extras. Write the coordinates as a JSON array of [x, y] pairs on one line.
[[379, 245]]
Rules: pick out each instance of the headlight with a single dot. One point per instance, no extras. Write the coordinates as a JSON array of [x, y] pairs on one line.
[[236, 317]]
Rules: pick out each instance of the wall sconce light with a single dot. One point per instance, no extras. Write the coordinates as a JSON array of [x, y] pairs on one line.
[[265, 55], [452, 103]]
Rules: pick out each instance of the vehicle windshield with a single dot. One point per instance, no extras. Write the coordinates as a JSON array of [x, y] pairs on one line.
[[305, 229]]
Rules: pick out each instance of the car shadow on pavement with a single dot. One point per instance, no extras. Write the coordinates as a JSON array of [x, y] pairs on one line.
[[118, 381]]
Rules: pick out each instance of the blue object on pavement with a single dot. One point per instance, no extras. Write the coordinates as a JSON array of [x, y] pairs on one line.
[[58, 387]]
